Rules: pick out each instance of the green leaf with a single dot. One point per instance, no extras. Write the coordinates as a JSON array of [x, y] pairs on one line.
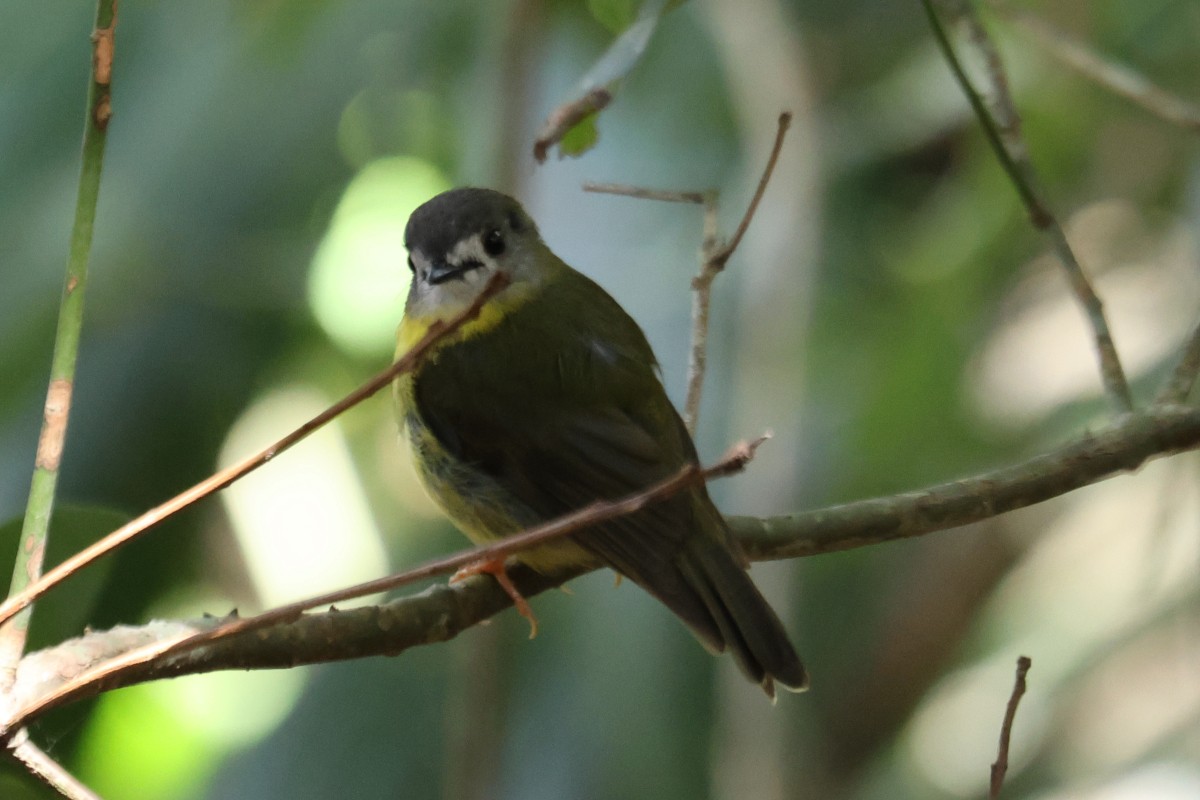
[[575, 118], [580, 138], [66, 609], [616, 15]]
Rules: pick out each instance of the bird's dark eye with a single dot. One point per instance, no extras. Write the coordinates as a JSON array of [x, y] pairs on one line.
[[411, 268], [493, 243]]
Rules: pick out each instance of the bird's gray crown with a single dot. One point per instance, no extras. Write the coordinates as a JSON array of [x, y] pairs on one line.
[[451, 217]]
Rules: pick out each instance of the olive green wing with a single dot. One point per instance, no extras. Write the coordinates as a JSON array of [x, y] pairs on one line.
[[560, 413]]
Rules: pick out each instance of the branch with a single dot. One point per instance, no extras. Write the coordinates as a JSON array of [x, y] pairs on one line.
[[1002, 127], [1179, 385], [31, 549], [572, 125], [1117, 78], [185, 641], [1124, 446], [714, 254], [1000, 768], [47, 770], [441, 612], [126, 533]]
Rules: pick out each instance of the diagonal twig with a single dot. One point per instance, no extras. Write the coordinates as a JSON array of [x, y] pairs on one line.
[[734, 461], [576, 117], [1179, 385], [47, 770], [1000, 767], [225, 477], [1001, 126], [714, 254], [1117, 78]]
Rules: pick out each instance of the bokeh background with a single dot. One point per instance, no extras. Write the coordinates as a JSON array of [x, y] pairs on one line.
[[891, 316]]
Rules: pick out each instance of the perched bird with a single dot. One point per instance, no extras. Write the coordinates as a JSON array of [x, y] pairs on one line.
[[550, 400]]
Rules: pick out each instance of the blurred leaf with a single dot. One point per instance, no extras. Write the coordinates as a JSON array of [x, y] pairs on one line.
[[616, 15], [580, 138], [64, 612], [572, 125]]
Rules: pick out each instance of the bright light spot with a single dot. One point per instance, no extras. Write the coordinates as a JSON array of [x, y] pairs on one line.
[[1043, 354], [359, 276], [1137, 699], [136, 749], [236, 708], [302, 522], [164, 739], [1114, 554], [1151, 782]]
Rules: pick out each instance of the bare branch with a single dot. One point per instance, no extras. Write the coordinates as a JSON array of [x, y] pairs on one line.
[[713, 256], [785, 122], [1183, 377], [1123, 447], [643, 193], [716, 256], [181, 642], [1000, 768], [225, 477], [441, 612], [47, 770], [566, 117], [1002, 128], [1117, 78]]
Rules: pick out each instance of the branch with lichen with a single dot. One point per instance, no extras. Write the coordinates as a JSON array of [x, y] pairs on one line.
[[80, 668]]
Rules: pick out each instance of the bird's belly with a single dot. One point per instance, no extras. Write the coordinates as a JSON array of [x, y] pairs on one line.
[[480, 507]]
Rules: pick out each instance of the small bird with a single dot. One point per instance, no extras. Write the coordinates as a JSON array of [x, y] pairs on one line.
[[550, 400]]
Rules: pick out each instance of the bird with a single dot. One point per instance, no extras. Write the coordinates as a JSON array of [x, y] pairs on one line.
[[548, 400]]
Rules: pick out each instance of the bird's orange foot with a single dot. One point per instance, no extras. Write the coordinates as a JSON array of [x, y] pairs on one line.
[[495, 567]]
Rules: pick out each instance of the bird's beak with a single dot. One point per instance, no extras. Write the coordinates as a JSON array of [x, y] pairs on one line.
[[440, 271]]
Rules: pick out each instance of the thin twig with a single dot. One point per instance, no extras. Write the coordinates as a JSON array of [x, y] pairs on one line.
[[225, 477], [1179, 385], [31, 549], [710, 245], [47, 770], [566, 117], [716, 256], [734, 461], [1117, 78], [643, 193], [713, 256], [1000, 768], [785, 122], [1004, 135]]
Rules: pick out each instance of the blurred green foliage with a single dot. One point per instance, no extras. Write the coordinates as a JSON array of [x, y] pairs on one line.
[[863, 320]]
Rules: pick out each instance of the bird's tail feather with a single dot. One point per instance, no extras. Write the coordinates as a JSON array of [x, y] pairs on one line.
[[748, 625]]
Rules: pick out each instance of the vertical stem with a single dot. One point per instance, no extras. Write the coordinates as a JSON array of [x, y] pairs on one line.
[[32, 546], [710, 251]]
